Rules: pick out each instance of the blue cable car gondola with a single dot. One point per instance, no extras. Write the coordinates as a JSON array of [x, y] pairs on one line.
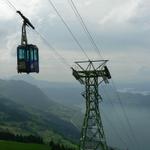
[[27, 58], [27, 54]]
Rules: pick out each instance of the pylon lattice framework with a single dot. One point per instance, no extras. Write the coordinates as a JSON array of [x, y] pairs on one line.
[[92, 74]]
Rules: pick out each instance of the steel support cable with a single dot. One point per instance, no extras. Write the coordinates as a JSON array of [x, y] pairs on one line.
[[74, 8], [126, 117], [63, 60], [89, 35], [114, 129], [11, 5], [86, 31], [68, 28], [80, 18], [108, 97]]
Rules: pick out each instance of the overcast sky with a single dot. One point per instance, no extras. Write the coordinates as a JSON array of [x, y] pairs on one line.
[[121, 29]]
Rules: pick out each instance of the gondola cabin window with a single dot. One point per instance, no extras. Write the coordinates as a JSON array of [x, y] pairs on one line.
[[21, 54]]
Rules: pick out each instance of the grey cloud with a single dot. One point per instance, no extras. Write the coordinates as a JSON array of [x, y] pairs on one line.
[[112, 37], [142, 14]]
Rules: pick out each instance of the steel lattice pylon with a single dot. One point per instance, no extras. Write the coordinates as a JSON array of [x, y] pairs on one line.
[[91, 74]]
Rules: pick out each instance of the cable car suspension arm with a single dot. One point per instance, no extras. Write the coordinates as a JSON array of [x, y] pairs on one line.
[[26, 22]]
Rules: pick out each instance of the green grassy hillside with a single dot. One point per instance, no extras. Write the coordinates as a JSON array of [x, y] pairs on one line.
[[5, 145]]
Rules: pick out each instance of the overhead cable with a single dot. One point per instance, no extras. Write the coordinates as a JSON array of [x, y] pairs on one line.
[[115, 110], [126, 116], [11, 5], [74, 8], [63, 60], [82, 22], [114, 130], [68, 28]]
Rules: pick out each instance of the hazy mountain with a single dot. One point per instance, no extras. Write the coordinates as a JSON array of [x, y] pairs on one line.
[[70, 93], [26, 108], [12, 112], [117, 129], [65, 93]]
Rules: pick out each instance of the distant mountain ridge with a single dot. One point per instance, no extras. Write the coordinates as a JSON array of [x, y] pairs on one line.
[[70, 94]]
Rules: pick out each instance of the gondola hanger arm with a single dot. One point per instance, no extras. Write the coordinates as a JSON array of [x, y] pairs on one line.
[[26, 20]]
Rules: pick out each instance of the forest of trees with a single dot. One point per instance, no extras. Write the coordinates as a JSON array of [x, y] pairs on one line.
[[8, 136], [20, 138]]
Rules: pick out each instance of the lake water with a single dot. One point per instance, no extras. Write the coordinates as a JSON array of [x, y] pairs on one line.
[[131, 132]]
